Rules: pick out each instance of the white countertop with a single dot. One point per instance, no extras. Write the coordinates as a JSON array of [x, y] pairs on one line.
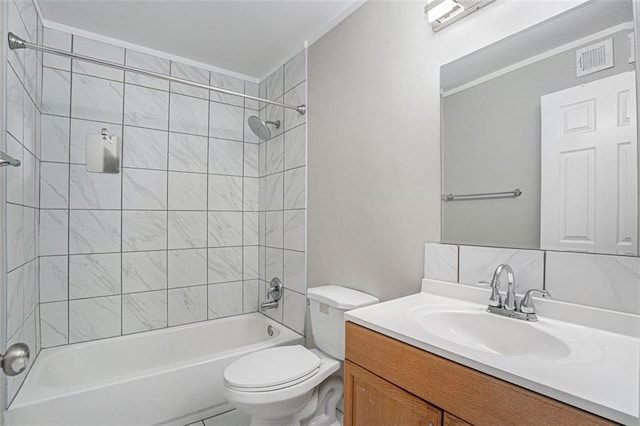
[[601, 375]]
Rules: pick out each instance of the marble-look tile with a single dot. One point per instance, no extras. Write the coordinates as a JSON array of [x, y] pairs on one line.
[[188, 115], [274, 232], [225, 299], [187, 305], [275, 114], [15, 105], [15, 300], [224, 264], [144, 148], [54, 319], [144, 311], [250, 263], [96, 99], [262, 159], [14, 23], [187, 267], [250, 296], [31, 295], [144, 230], [54, 138], [56, 92], [294, 188], [274, 192], [187, 229], [149, 63], [31, 184], [295, 309], [274, 263], [262, 194], [30, 19], [295, 70], [146, 107], [603, 281], [252, 89], [224, 229], [54, 276], [294, 229], [262, 263], [28, 250], [225, 193], [296, 96], [94, 231], [94, 275], [295, 144], [15, 175], [54, 231], [144, 271], [188, 72], [94, 190], [478, 264], [226, 121], [80, 129], [251, 160], [275, 155], [187, 191], [295, 271], [29, 127], [59, 40], [229, 83], [91, 319], [54, 186], [225, 157], [441, 262], [144, 189], [250, 235], [96, 49], [275, 84], [187, 153], [251, 194], [16, 254]]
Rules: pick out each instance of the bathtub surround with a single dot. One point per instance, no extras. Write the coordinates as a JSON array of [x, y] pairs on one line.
[[598, 280], [21, 201]]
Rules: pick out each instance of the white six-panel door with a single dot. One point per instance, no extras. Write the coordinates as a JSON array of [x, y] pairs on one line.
[[589, 167]]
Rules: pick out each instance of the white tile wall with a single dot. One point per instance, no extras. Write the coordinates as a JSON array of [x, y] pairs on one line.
[[604, 281]]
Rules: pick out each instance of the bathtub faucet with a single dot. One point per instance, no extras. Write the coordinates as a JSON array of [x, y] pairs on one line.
[[274, 292]]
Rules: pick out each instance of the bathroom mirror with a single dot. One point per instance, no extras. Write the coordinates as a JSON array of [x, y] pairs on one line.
[[539, 137]]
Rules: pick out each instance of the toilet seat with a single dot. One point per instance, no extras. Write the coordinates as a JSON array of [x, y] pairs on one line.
[[272, 369]]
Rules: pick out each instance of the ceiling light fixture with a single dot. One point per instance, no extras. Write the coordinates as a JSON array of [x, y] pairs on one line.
[[442, 13]]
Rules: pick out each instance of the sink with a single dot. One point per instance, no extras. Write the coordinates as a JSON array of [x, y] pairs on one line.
[[491, 333]]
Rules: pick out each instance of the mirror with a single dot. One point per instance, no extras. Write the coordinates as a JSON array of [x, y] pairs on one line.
[[539, 137]]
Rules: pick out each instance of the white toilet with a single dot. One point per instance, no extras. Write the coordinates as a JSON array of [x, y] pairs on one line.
[[292, 385]]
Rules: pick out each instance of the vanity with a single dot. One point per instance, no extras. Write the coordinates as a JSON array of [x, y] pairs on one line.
[[439, 358]]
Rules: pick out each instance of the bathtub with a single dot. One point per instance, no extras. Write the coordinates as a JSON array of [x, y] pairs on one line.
[[171, 376]]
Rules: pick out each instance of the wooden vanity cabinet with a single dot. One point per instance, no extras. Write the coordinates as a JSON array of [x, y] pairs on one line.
[[388, 382]]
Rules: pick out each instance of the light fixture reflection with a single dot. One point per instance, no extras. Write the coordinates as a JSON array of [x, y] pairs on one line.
[[441, 13]]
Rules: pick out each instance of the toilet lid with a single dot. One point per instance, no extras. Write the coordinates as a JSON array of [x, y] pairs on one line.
[[271, 367]]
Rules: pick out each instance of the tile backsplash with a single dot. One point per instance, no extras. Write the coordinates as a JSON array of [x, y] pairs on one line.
[[603, 281]]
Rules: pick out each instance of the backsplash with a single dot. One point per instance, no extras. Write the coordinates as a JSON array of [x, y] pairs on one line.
[[604, 281], [175, 237]]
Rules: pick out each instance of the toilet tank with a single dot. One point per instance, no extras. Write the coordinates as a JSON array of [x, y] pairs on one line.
[[327, 307]]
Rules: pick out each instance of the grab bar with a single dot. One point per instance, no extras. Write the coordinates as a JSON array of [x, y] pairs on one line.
[[485, 195], [6, 160]]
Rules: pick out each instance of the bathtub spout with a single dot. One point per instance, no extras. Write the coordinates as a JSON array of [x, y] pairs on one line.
[[269, 305]]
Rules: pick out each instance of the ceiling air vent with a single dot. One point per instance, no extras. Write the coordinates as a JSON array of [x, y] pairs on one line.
[[594, 58]]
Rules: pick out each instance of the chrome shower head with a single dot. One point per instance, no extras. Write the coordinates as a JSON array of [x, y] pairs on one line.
[[260, 128]]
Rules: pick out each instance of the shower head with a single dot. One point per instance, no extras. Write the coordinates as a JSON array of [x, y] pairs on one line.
[[260, 128]]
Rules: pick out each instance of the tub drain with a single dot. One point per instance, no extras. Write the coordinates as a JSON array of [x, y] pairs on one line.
[[270, 330]]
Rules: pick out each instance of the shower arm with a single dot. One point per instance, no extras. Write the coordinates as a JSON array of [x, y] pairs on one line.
[[16, 42]]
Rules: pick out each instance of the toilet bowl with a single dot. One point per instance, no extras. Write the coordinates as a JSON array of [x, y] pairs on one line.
[[293, 385]]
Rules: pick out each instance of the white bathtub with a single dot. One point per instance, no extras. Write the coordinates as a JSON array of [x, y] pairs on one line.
[[171, 376]]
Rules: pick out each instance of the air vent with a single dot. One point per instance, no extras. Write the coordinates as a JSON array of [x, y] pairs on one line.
[[594, 58]]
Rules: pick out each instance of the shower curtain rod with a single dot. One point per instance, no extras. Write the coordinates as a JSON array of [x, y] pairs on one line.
[[16, 42]]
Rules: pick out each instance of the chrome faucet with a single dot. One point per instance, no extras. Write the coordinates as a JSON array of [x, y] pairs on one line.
[[510, 308], [274, 292]]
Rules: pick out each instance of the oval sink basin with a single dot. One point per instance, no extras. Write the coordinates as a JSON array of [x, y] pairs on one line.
[[491, 333]]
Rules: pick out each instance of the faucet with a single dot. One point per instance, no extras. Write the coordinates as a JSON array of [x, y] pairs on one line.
[[510, 308], [274, 292]]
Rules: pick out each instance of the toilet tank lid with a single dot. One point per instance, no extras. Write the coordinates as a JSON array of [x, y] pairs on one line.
[[341, 297]]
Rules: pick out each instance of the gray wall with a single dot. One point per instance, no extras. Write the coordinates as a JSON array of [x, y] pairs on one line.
[[491, 135], [374, 145]]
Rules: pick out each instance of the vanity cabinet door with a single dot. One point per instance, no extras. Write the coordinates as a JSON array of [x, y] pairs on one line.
[[451, 420], [370, 401]]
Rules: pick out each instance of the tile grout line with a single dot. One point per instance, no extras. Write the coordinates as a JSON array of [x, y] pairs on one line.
[[69, 198], [124, 95], [168, 148]]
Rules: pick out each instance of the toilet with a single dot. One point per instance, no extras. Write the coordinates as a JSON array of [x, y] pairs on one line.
[[293, 385]]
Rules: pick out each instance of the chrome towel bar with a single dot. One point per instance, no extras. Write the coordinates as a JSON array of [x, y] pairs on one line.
[[485, 195], [6, 160]]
